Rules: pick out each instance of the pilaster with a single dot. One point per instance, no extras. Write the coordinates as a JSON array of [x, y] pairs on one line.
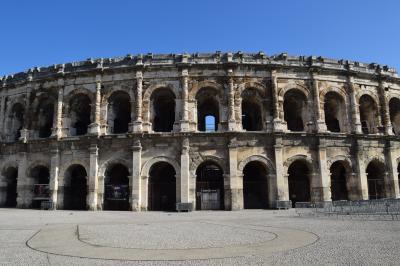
[[392, 181], [281, 185], [324, 175], [137, 124], [22, 182], [57, 126], [231, 102], [277, 119], [185, 109], [235, 186], [136, 179], [54, 171], [94, 128], [93, 177], [355, 111], [185, 173], [319, 119], [361, 172]]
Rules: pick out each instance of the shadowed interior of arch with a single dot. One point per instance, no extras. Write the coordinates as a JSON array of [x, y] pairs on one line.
[[161, 187], [294, 108], [338, 181], [9, 198], [116, 188], [209, 187], [41, 190], [163, 106], [119, 112], [75, 188], [80, 112], [376, 183], [299, 182], [255, 186]]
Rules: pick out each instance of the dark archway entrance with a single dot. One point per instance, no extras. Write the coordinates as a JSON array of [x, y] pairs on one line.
[[116, 188], [299, 182], [162, 187], [41, 188], [11, 175], [119, 112], [376, 182], [80, 111], [255, 186], [75, 189], [338, 181], [251, 116], [209, 187]]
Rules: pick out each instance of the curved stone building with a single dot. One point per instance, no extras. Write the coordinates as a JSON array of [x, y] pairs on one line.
[[219, 130]]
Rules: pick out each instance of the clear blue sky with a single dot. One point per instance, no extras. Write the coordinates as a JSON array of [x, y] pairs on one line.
[[41, 33]]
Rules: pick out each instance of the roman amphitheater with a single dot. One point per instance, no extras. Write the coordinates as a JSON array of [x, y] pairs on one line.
[[224, 131]]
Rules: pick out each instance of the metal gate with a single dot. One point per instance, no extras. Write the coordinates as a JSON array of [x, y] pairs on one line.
[[210, 199]]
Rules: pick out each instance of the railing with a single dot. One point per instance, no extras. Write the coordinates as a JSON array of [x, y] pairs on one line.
[[386, 209], [116, 192], [41, 191]]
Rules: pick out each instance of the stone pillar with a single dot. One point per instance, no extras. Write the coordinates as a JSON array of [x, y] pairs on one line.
[[320, 125], [231, 100], [95, 126], [137, 124], [24, 131], [386, 123], [136, 179], [2, 114], [277, 117], [281, 185], [54, 170], [392, 182], [324, 175], [23, 187], [57, 126], [235, 186], [185, 108], [185, 172], [352, 186], [355, 111], [93, 178], [361, 172]]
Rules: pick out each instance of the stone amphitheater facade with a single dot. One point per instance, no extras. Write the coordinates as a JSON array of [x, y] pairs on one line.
[[218, 130]]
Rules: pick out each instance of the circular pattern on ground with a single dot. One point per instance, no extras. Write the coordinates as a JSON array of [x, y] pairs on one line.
[[170, 236]]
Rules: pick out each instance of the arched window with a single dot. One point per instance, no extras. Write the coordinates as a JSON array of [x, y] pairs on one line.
[[119, 112], [368, 114], [207, 107], [294, 108], [394, 109], [335, 112], [163, 110], [252, 111], [16, 121], [80, 112]]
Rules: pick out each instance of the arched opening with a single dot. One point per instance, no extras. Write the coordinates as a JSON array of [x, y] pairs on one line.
[[75, 188], [116, 188], [162, 187], [294, 108], [338, 181], [335, 111], [41, 188], [80, 112], [394, 110], [163, 106], [207, 110], [376, 181], [17, 119], [10, 175], [209, 187], [251, 115], [119, 112], [299, 182], [255, 186], [368, 114], [45, 116]]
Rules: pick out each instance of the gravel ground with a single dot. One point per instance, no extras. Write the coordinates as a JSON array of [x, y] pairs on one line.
[[341, 242]]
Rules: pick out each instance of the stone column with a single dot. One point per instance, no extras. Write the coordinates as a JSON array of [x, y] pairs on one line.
[[235, 186], [2, 114], [24, 131], [137, 124], [136, 179], [355, 111], [277, 119], [361, 172], [282, 189], [54, 170], [185, 108], [23, 186], [231, 100], [95, 126], [386, 123], [185, 172], [392, 182], [57, 126], [93, 178], [319, 119], [352, 186], [324, 175]]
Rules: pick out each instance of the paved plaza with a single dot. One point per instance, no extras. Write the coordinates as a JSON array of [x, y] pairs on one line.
[[251, 237]]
